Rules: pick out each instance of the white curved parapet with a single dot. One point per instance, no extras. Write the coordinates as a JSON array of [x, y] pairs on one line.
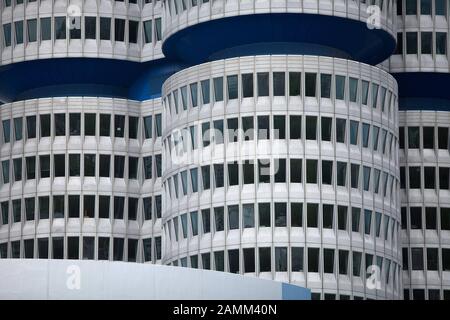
[[53, 279]]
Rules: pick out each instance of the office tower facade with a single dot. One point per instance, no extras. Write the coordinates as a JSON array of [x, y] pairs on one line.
[[420, 66], [280, 147], [252, 137]]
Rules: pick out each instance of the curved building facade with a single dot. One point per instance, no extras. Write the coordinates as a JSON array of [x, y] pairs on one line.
[[241, 136], [421, 67]]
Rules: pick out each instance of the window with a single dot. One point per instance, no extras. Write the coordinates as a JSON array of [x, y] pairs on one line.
[[218, 131], [310, 84], [17, 165], [7, 34], [280, 214], [218, 89], [366, 173], [296, 170], [132, 167], [105, 28], [89, 206], [58, 247], [248, 216], [88, 248], [294, 83], [278, 84], [356, 213], [219, 260], [90, 27], [364, 92], [248, 128], [441, 43], [32, 30], [296, 214], [46, 29], [18, 129], [311, 171], [44, 207], [249, 260], [430, 218], [31, 127], [59, 164], [148, 31], [205, 91], [118, 249], [72, 248], [328, 260], [279, 124], [74, 206], [132, 208], [375, 134], [264, 214], [440, 8], [417, 258], [60, 28], [233, 174], [219, 219], [89, 165], [428, 137], [119, 30], [103, 207], [42, 246], [264, 171], [340, 87], [340, 130], [132, 127], [206, 221], [430, 177], [133, 27], [206, 177], [426, 42], [104, 164], [263, 127], [327, 211], [118, 207], [74, 165], [411, 42], [414, 177], [295, 127], [28, 248], [103, 248], [119, 163], [60, 124], [411, 7], [445, 218], [31, 167], [443, 138], [326, 128], [280, 259], [45, 125], [29, 209], [233, 133], [354, 126], [264, 259], [313, 259], [327, 171], [247, 85], [17, 210], [311, 127], [44, 162], [341, 173], [432, 259], [325, 85], [5, 213], [367, 221], [312, 215], [119, 126], [353, 89], [445, 260], [218, 175], [158, 29]]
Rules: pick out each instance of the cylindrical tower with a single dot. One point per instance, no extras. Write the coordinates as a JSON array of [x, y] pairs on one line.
[[280, 144], [80, 144], [421, 67]]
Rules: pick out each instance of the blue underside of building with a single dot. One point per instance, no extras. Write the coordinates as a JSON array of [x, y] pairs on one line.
[[257, 34], [279, 33], [423, 91], [85, 77]]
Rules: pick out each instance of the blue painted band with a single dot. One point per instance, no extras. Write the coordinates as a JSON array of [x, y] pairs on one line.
[[279, 33], [84, 77], [423, 90]]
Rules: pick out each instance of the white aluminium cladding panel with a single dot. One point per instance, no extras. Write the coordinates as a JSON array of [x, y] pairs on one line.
[[175, 208], [54, 280], [190, 14]]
